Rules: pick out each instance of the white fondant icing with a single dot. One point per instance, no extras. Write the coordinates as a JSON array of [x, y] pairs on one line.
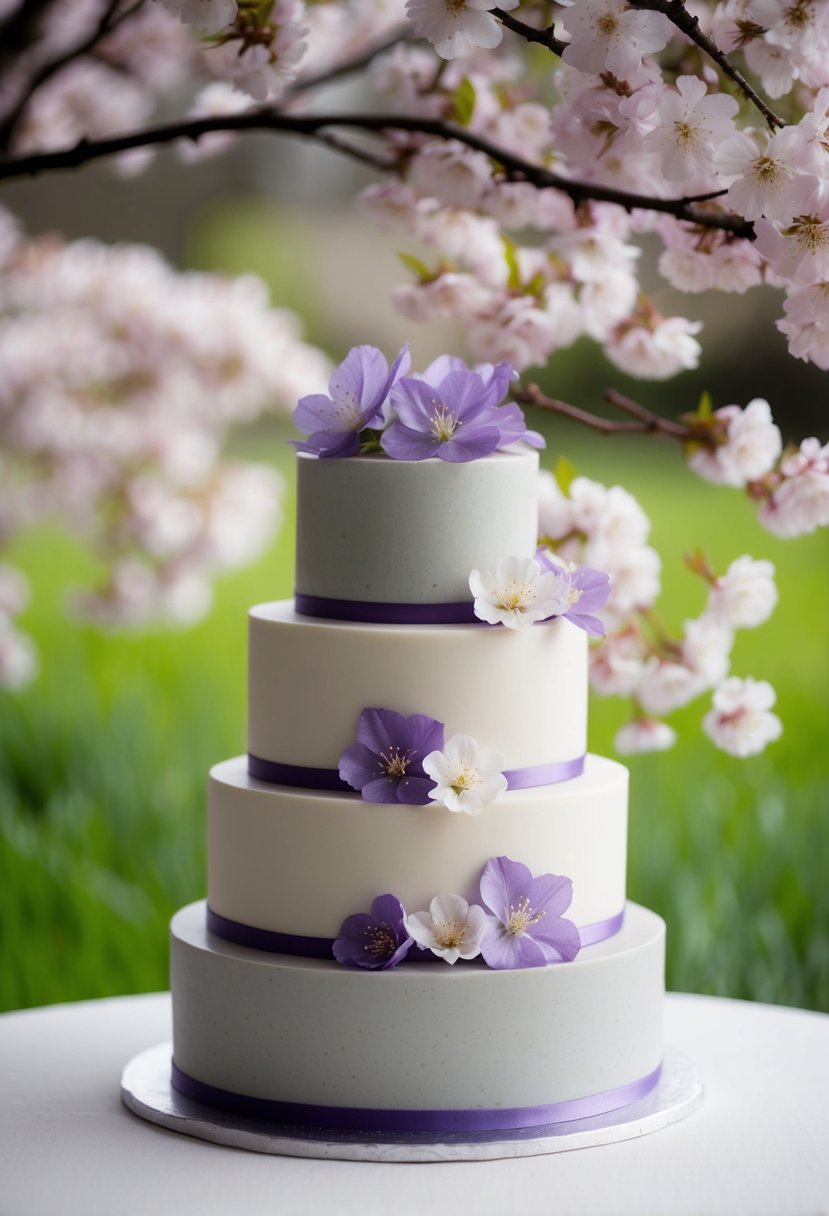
[[370, 528], [523, 692], [418, 1037], [299, 861]]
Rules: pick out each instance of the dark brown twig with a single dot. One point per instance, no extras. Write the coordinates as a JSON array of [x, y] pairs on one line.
[[309, 126], [545, 37], [643, 422], [687, 23]]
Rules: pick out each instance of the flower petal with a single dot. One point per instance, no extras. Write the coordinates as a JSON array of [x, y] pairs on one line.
[[505, 951], [559, 939], [504, 882]]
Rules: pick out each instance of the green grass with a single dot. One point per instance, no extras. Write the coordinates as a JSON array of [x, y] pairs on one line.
[[103, 762]]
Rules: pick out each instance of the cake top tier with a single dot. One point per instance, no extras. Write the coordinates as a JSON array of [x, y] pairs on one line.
[[375, 530]]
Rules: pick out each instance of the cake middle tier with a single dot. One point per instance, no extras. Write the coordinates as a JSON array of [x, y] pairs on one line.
[[522, 692], [298, 862]]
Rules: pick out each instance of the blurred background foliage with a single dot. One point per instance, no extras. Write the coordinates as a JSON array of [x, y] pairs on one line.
[[103, 759]]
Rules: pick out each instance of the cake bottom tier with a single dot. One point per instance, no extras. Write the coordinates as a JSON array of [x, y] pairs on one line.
[[419, 1048]]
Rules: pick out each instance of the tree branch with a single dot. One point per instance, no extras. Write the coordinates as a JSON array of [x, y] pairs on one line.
[[107, 22], [643, 422], [309, 126], [545, 37], [687, 23]]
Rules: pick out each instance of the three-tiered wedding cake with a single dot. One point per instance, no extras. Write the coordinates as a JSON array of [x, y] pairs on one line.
[[276, 1012]]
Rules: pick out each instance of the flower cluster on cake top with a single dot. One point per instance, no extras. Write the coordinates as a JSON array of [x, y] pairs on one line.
[[449, 411], [519, 923]]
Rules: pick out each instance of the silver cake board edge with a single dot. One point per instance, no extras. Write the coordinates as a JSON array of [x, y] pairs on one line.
[[147, 1091]]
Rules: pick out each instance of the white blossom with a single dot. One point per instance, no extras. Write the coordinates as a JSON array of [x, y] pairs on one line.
[[656, 350], [745, 596], [18, 659], [207, 16], [454, 26], [609, 35], [691, 124], [751, 445], [667, 685], [451, 929], [618, 664], [644, 735], [741, 721], [467, 777], [800, 504], [706, 649], [518, 593]]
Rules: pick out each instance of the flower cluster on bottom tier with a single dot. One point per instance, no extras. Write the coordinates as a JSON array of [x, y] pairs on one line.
[[417, 1048]]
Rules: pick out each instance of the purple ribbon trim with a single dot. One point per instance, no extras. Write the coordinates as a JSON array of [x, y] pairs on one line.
[[375, 613], [276, 773], [360, 1119], [321, 947]]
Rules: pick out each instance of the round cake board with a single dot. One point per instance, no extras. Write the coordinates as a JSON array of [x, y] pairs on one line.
[[147, 1091]]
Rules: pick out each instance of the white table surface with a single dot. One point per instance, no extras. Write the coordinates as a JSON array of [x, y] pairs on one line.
[[759, 1144]]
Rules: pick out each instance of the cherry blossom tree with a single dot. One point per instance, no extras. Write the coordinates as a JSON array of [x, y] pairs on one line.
[[523, 153]]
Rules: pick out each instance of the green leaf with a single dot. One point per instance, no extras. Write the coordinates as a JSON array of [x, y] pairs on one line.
[[414, 264], [511, 258], [565, 474], [705, 408], [464, 102]]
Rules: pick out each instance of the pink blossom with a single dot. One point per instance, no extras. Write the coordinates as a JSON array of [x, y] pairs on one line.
[[750, 445], [806, 323], [691, 124], [800, 251], [741, 721], [655, 348], [644, 735], [617, 665], [453, 26], [800, 504], [608, 35], [745, 596], [208, 16]]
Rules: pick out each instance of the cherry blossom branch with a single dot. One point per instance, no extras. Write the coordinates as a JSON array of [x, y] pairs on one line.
[[310, 126], [544, 37], [107, 22], [643, 421], [687, 23]]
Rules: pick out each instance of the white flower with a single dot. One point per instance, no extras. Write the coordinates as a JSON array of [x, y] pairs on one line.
[[692, 123], [745, 595], [657, 350], [451, 928], [801, 251], [14, 590], [617, 666], [666, 685], [644, 735], [801, 503], [752, 445], [18, 659], [518, 593], [453, 26], [467, 777], [706, 649], [741, 722], [762, 174], [608, 35], [207, 16]]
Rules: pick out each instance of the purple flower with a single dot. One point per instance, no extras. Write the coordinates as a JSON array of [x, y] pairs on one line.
[[526, 928], [587, 593], [454, 420], [359, 388], [499, 376], [386, 762], [377, 939]]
